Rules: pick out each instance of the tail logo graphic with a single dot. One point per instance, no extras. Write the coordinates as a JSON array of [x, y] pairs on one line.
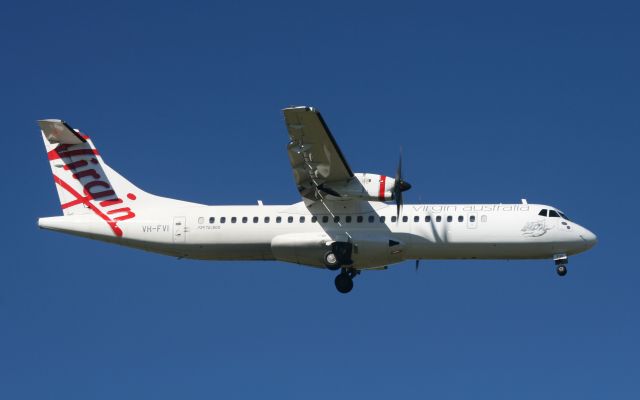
[[96, 193]]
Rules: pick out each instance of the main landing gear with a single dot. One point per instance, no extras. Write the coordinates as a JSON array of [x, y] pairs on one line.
[[344, 280], [336, 258], [561, 264], [340, 254]]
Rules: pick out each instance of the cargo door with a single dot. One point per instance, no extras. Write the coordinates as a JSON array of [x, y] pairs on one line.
[[179, 229]]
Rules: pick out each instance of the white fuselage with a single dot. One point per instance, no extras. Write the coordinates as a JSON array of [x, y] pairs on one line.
[[301, 234]]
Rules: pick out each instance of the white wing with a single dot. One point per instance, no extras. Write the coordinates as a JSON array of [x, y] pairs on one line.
[[315, 157]]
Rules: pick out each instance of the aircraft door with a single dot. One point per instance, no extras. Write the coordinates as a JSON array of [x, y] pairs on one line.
[[179, 229], [472, 220]]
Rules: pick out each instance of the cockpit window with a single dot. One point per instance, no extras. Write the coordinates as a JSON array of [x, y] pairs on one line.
[[564, 216], [543, 212], [553, 213]]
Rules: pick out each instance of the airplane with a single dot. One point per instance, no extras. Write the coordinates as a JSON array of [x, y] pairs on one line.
[[344, 222]]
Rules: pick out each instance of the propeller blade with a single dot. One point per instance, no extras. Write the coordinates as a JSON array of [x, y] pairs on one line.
[[399, 169], [398, 187]]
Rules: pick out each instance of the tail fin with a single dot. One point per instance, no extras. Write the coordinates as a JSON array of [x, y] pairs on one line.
[[85, 184]]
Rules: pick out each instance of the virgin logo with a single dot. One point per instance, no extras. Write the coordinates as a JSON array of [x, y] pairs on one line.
[[97, 193]]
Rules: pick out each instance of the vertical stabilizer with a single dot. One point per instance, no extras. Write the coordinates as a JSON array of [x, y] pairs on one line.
[[85, 184]]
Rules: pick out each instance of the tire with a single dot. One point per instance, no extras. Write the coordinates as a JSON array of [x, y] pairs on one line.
[[344, 283], [331, 261], [561, 270]]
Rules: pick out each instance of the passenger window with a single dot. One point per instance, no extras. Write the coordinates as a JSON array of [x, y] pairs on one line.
[[371, 218], [553, 213], [543, 212], [314, 219], [460, 218], [416, 219], [302, 220], [359, 219], [449, 218], [278, 220], [472, 218], [223, 220], [255, 220], [244, 220], [325, 218], [427, 218], [336, 219], [405, 219], [383, 219], [483, 218], [438, 218], [290, 219], [233, 220], [201, 220], [348, 219], [266, 220], [212, 220], [394, 219]]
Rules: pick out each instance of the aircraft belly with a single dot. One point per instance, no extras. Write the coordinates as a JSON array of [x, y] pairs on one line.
[[482, 250], [238, 251]]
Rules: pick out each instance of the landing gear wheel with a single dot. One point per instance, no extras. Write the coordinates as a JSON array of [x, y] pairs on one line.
[[561, 269], [344, 283], [331, 261]]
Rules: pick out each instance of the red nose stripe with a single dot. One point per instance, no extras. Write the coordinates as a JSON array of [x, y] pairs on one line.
[[383, 179]]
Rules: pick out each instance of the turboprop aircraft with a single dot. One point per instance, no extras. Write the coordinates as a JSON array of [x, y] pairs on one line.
[[344, 221]]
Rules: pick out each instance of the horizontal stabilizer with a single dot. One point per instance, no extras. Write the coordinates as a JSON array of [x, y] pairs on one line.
[[58, 131]]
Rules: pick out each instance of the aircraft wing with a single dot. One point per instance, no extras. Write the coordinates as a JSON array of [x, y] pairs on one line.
[[315, 157]]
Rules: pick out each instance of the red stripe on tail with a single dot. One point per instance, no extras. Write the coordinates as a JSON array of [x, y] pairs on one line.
[[86, 201], [55, 154]]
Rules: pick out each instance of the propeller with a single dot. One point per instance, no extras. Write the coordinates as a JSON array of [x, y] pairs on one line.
[[398, 187]]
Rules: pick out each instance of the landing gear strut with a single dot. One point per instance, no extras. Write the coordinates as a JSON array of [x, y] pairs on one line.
[[561, 264], [344, 280]]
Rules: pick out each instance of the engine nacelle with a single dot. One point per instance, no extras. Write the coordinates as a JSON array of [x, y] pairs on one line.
[[364, 186]]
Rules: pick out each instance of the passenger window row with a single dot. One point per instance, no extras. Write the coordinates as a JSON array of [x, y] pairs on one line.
[[336, 219]]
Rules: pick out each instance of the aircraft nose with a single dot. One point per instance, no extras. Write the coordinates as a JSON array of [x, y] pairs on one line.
[[589, 237]]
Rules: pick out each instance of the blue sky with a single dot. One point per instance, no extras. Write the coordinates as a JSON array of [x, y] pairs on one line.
[[491, 102]]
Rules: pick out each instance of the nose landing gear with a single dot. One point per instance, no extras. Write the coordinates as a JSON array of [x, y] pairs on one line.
[[561, 269], [561, 261]]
